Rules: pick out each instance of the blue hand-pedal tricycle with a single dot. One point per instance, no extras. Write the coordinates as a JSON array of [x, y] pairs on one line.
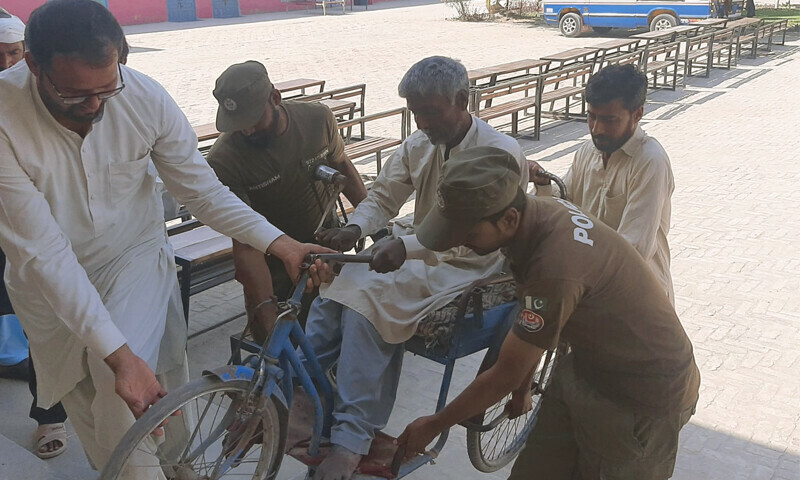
[[244, 417]]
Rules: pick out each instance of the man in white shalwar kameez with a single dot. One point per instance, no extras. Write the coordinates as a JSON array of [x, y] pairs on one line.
[[90, 270], [365, 315]]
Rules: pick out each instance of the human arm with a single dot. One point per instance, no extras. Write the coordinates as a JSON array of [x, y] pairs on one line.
[[44, 267], [516, 359], [354, 190], [388, 194], [546, 305], [254, 275]]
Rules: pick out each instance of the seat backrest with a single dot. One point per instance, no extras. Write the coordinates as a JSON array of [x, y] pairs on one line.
[[356, 93], [525, 85]]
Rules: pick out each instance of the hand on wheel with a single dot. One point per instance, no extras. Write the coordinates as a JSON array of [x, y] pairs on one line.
[[520, 404]]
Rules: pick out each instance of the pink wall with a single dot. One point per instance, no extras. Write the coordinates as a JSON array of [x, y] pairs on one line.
[[140, 11], [130, 12], [204, 8], [21, 8], [127, 12]]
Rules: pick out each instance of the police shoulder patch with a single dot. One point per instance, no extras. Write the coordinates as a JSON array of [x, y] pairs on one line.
[[530, 320]]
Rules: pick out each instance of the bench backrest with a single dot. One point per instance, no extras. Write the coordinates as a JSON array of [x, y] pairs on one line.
[[354, 93], [346, 126], [524, 86], [571, 76], [699, 42], [624, 58], [662, 51]]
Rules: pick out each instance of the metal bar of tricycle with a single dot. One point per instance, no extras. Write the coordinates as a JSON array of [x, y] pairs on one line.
[[316, 372], [339, 257], [308, 386]]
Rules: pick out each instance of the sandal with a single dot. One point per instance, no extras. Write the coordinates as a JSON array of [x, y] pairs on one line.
[[52, 432]]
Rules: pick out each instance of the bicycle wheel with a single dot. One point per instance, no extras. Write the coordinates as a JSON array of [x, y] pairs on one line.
[[493, 443], [227, 437]]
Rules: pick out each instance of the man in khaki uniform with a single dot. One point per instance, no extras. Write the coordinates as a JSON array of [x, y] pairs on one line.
[[267, 155], [622, 176], [617, 401]]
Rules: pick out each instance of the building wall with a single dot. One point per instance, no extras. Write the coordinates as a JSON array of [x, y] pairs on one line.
[[132, 12]]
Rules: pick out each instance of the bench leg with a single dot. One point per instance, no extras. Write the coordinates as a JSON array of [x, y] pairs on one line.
[[537, 122], [378, 161], [514, 123]]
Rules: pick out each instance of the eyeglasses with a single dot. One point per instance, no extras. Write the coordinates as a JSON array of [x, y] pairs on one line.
[[75, 100]]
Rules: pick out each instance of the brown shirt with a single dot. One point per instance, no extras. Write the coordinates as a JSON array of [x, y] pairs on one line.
[[276, 177], [580, 281]]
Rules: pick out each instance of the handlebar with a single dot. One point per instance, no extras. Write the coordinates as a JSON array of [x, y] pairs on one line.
[[555, 178]]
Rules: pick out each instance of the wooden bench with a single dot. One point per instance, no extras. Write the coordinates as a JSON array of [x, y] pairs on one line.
[[754, 37], [353, 93], [781, 26], [205, 258], [514, 96], [661, 58], [562, 84], [298, 85], [747, 34], [723, 49], [364, 146], [633, 57], [698, 52]]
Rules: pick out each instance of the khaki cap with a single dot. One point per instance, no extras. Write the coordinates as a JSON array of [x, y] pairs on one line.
[[242, 92], [476, 183]]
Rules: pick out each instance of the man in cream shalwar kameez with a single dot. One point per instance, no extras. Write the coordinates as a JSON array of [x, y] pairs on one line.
[[90, 270], [628, 183], [364, 317]]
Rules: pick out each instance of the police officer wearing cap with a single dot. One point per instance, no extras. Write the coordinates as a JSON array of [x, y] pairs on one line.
[[617, 401], [268, 154]]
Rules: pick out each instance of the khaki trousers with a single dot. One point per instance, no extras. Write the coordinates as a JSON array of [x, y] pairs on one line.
[[582, 435]]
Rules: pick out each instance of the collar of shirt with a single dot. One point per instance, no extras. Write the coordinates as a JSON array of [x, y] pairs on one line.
[[466, 142]]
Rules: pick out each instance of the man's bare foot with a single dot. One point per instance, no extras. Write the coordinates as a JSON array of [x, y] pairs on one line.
[[339, 465]]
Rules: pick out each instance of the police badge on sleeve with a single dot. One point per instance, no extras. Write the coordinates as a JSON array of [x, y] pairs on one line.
[[528, 318]]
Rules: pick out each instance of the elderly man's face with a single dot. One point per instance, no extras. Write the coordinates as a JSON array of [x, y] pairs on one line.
[[11, 53], [437, 116]]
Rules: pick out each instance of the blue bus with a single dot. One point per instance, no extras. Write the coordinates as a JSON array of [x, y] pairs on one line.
[[573, 17]]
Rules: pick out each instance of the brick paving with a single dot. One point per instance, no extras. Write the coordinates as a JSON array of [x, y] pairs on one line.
[[732, 140]]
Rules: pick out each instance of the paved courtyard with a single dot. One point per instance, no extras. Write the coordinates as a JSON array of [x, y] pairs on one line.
[[733, 141]]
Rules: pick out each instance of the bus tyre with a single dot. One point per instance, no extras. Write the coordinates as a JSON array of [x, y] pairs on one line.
[[602, 30], [663, 22], [570, 24]]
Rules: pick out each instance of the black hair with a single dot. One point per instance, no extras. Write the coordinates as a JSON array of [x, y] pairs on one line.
[[519, 202], [81, 29], [623, 82]]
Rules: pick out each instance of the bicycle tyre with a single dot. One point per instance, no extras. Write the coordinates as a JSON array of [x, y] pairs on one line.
[[513, 433], [273, 424]]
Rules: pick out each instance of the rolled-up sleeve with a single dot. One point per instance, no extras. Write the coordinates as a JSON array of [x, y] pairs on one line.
[[390, 191], [44, 261], [191, 180]]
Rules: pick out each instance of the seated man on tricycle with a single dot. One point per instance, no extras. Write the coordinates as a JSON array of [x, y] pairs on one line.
[[365, 316]]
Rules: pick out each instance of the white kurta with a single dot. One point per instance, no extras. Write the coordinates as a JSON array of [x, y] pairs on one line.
[[397, 301], [89, 264], [631, 194]]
